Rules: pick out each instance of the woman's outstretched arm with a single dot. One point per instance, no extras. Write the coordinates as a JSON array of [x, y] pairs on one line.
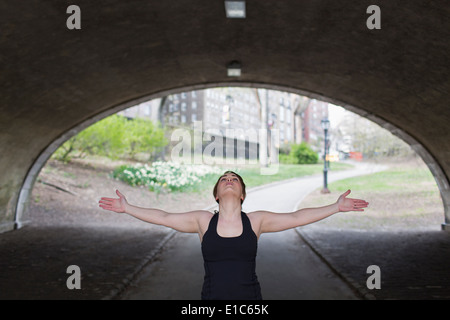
[[184, 222], [273, 222]]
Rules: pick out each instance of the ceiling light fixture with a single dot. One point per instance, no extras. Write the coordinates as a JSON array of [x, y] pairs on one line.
[[235, 9], [234, 69]]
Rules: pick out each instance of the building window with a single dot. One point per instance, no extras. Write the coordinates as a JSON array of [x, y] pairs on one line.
[[288, 134]]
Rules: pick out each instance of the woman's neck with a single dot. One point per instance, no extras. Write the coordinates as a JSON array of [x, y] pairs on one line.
[[230, 208]]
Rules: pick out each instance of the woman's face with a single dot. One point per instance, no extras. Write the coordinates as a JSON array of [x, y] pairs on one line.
[[229, 182]]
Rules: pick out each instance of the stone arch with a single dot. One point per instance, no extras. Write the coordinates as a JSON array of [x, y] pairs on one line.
[[54, 79], [421, 150]]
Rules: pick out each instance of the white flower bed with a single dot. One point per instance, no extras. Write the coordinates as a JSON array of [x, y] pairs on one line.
[[171, 176]]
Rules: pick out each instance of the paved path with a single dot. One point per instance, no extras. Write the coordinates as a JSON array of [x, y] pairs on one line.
[[287, 268]]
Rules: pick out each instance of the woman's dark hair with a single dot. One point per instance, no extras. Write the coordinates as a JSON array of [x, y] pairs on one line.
[[240, 180]]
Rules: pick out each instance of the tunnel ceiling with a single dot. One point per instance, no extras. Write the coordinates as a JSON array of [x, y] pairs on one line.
[[53, 78]]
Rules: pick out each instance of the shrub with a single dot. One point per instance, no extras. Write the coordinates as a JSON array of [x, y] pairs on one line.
[[303, 154]]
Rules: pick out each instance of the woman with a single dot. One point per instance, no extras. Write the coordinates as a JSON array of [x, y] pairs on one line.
[[229, 237]]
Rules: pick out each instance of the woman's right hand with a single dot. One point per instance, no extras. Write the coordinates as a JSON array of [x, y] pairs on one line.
[[114, 204]]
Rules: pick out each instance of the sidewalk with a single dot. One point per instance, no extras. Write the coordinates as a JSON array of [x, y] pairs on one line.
[[286, 266], [320, 264], [414, 264]]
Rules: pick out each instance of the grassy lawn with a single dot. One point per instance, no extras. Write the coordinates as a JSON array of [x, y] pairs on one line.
[[403, 197], [252, 174]]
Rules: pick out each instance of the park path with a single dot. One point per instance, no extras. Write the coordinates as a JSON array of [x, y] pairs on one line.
[[287, 268]]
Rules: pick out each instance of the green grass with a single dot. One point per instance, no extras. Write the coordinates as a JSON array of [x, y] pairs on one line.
[[252, 174], [401, 198], [405, 178]]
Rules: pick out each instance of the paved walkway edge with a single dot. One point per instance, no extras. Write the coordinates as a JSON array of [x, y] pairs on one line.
[[146, 261], [359, 290]]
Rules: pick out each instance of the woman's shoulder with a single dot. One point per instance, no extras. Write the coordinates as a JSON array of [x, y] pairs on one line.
[[204, 218], [256, 216], [204, 214]]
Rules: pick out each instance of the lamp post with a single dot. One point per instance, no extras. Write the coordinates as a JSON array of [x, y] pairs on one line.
[[325, 123]]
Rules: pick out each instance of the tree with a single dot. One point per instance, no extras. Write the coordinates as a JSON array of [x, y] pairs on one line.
[[365, 136], [113, 137], [142, 136]]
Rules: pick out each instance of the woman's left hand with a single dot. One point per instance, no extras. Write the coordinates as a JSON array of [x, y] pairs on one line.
[[348, 204]]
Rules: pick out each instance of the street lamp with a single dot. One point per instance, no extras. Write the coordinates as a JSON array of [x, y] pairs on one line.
[[325, 123]]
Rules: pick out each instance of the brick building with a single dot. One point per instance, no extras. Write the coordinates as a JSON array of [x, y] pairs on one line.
[[221, 110]]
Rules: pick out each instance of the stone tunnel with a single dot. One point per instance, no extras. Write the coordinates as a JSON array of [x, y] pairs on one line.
[[64, 69]]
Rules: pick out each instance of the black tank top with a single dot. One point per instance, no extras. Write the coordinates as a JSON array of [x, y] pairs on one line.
[[230, 264]]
